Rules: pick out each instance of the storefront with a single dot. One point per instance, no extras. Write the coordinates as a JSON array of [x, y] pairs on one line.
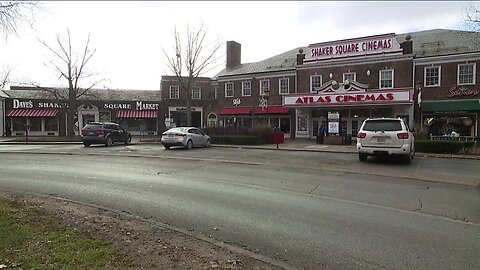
[[177, 117], [442, 117], [342, 112], [49, 118]]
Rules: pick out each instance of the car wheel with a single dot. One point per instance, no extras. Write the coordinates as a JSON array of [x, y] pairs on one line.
[[128, 140], [362, 156], [189, 144], [86, 144], [166, 146], [208, 143], [109, 142]]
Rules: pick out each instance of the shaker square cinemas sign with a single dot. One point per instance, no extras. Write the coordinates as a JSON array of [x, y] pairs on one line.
[[351, 47], [348, 99]]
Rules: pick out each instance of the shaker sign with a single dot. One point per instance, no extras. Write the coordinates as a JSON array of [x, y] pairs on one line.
[[351, 47]]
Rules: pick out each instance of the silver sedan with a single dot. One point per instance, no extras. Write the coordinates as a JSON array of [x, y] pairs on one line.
[[188, 137]]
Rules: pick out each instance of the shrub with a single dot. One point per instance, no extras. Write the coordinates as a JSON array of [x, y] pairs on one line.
[[238, 140], [442, 147], [264, 132]]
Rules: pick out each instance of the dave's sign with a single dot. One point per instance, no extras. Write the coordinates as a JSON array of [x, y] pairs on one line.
[[349, 99], [351, 47]]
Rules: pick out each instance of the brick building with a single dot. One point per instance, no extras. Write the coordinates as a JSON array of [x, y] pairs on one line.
[[203, 97], [428, 78]]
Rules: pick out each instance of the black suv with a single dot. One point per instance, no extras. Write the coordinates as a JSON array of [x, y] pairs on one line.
[[104, 133]]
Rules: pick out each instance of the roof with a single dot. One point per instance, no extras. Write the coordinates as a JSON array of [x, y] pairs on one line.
[[94, 94], [434, 42], [438, 42], [282, 62]]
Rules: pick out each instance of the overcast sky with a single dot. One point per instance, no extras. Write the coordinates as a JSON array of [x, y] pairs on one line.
[[129, 35]]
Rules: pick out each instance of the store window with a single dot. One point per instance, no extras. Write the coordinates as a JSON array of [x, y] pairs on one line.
[[142, 125], [466, 74], [174, 92], [354, 127], [196, 93], [104, 116], [246, 88], [284, 86], [315, 82], [212, 120], [18, 123], [386, 78], [51, 124], [432, 76], [35, 124], [229, 89], [264, 86], [350, 76]]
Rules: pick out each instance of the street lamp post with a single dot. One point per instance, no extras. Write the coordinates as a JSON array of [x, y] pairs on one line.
[[267, 95], [418, 101]]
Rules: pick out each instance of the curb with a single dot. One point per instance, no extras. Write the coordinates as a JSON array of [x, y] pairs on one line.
[[273, 148]]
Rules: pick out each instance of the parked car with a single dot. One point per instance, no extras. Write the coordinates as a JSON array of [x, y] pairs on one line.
[[105, 133], [188, 137], [385, 136]]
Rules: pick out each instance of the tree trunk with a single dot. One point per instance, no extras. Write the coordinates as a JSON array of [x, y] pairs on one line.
[[189, 111], [70, 112]]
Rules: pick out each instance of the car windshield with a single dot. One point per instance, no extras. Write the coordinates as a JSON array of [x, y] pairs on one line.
[[382, 125], [93, 126]]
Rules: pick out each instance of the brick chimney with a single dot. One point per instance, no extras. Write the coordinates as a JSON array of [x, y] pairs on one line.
[[407, 45], [300, 57], [234, 54]]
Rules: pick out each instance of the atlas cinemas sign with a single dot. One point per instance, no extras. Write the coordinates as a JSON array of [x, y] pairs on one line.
[[348, 99]]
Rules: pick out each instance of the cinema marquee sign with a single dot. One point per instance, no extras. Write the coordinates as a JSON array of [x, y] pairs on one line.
[[348, 99], [352, 47]]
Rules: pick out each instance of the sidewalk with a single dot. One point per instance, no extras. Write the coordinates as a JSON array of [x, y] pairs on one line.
[[288, 145]]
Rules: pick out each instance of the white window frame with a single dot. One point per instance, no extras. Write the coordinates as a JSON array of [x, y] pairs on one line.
[[264, 87], [227, 89], [172, 92], [311, 82], [245, 88], [380, 78], [474, 75], [348, 73], [439, 76], [199, 93], [283, 91]]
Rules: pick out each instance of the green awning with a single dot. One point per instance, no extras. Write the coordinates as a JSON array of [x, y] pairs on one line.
[[451, 105]]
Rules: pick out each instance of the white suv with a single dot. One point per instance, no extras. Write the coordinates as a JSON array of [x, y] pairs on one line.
[[385, 136]]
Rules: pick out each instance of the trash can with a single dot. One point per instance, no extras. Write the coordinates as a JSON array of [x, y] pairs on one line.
[[278, 137]]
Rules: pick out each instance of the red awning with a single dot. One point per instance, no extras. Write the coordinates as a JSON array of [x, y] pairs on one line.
[[274, 109], [32, 113], [236, 110], [137, 114]]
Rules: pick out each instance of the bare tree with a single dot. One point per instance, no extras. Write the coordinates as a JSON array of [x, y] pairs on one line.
[[12, 13], [191, 58], [71, 67], [471, 17], [4, 77]]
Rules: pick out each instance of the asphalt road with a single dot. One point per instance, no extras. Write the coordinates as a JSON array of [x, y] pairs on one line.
[[312, 210]]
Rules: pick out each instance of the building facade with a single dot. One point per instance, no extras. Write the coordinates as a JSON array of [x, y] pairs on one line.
[[203, 102], [429, 78], [140, 112]]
